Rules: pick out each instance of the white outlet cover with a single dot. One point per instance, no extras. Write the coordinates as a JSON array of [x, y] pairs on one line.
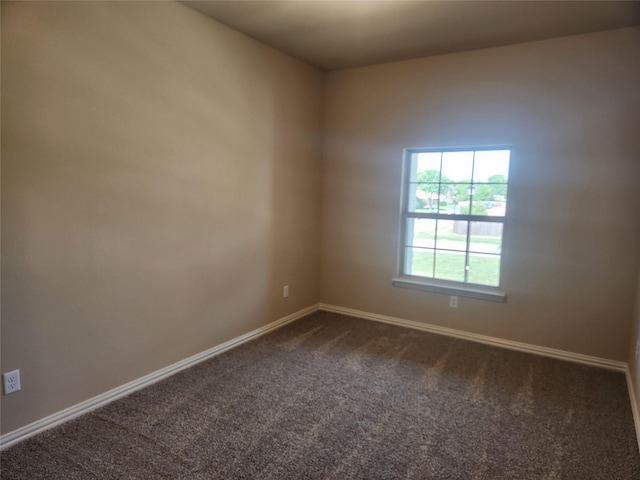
[[11, 382], [453, 301]]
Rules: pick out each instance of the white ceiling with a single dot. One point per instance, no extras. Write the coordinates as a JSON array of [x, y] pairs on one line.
[[336, 34]]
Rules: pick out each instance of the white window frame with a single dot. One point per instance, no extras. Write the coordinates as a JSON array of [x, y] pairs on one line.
[[437, 285]]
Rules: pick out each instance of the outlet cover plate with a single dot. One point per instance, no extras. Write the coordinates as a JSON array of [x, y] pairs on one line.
[[453, 301], [11, 382]]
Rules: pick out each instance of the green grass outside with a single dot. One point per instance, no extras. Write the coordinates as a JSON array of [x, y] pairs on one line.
[[483, 270]]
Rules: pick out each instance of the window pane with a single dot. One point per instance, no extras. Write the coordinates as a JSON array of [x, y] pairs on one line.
[[457, 167], [421, 232], [491, 166], [484, 269], [450, 265], [427, 162], [449, 199], [452, 235], [479, 208], [456, 198], [418, 261], [423, 197], [498, 209], [486, 237]]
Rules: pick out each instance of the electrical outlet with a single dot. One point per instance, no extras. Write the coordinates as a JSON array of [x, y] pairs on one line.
[[637, 350], [453, 301], [11, 381], [285, 291]]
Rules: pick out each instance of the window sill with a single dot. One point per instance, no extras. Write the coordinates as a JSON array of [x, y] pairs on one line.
[[478, 292]]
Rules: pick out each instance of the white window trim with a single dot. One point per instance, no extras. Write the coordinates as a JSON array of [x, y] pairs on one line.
[[436, 285], [442, 286]]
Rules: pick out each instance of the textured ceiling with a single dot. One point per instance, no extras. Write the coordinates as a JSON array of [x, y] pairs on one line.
[[334, 34]]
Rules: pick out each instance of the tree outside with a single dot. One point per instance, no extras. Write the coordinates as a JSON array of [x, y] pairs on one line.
[[441, 195]]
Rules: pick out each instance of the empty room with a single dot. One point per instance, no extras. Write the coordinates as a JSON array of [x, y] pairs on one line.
[[320, 240]]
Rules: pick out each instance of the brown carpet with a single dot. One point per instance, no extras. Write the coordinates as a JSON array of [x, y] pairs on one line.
[[333, 397]]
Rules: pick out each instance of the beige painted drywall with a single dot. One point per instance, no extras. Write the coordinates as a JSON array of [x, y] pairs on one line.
[[634, 363], [570, 108], [159, 187]]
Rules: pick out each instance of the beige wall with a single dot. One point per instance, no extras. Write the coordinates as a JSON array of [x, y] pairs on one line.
[[159, 187], [571, 109], [634, 363]]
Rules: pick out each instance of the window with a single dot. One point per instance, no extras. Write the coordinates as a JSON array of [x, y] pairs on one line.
[[453, 214]]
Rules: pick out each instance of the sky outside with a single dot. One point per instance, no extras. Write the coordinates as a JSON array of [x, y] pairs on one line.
[[458, 166]]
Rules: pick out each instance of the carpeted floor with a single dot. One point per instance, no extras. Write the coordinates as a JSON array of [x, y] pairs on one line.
[[333, 397]]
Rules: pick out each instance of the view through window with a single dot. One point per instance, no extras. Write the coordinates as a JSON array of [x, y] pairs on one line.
[[453, 214]]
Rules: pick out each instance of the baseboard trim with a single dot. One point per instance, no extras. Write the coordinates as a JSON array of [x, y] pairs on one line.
[[91, 404], [87, 406], [497, 342], [634, 404]]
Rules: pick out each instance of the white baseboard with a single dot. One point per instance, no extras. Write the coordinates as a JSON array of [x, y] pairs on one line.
[[497, 342], [67, 414], [634, 404]]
